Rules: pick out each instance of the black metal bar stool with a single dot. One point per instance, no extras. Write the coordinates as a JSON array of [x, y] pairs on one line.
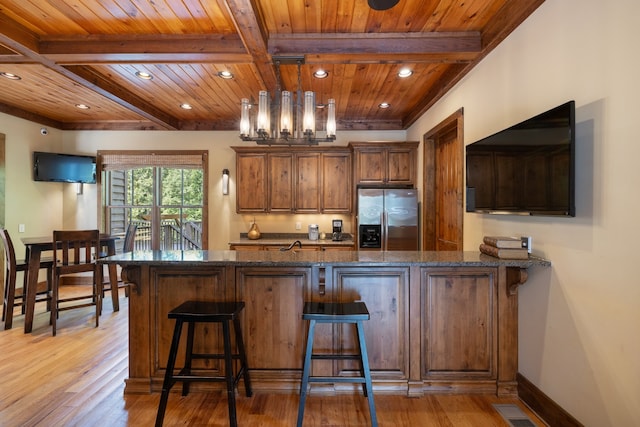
[[350, 312], [193, 312]]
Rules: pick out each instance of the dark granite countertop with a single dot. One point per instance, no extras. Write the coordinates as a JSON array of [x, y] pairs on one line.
[[318, 258]]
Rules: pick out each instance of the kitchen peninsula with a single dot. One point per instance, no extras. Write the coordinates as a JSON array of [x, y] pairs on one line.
[[440, 321]]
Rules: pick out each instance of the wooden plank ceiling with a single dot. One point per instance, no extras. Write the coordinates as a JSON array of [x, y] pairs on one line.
[[69, 52]]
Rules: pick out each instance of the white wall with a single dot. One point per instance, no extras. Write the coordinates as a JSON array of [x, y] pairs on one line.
[[579, 319]]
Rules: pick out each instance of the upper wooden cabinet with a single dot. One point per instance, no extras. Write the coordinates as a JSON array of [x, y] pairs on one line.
[[385, 163], [293, 179], [251, 182]]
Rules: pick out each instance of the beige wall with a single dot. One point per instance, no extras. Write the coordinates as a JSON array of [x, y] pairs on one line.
[[579, 319]]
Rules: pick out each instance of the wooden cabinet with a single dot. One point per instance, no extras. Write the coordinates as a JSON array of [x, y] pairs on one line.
[[385, 291], [272, 321], [171, 287], [383, 164], [459, 332], [251, 182], [293, 180], [336, 182], [280, 182], [308, 178]]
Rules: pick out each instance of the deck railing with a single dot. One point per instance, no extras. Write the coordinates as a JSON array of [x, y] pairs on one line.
[[172, 237]]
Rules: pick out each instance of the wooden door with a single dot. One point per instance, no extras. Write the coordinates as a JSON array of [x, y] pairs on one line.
[[443, 186], [280, 182]]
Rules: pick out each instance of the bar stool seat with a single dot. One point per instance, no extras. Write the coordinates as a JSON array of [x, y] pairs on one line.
[[348, 312], [193, 312]]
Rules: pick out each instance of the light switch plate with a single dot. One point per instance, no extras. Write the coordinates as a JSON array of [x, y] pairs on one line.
[[20, 228]]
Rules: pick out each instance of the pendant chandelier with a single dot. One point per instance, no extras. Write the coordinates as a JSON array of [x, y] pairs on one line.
[[288, 120]]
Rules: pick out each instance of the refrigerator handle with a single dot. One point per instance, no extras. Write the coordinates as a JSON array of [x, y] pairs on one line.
[[385, 229]]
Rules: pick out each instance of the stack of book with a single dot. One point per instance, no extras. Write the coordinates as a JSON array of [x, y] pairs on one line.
[[503, 247]]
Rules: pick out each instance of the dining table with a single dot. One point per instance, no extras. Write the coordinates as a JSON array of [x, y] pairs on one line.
[[34, 246]]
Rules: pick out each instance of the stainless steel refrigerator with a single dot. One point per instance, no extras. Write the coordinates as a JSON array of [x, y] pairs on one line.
[[388, 219]]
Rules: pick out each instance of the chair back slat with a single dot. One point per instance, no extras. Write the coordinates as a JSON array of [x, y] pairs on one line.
[[75, 250], [9, 251], [130, 238]]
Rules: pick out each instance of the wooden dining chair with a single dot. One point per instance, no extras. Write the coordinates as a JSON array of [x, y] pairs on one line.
[[76, 252], [128, 245], [12, 266]]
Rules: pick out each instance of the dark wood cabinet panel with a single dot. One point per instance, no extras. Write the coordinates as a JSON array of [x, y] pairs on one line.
[[459, 324], [385, 291], [383, 164], [280, 183], [172, 287], [336, 182], [251, 182], [273, 326], [308, 177]]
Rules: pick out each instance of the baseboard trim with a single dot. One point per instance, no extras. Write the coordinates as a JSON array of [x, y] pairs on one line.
[[552, 413]]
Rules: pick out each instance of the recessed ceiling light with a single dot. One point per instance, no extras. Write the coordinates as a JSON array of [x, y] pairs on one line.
[[82, 106], [225, 74], [320, 74], [405, 72], [384, 105], [144, 75], [186, 106], [10, 76]]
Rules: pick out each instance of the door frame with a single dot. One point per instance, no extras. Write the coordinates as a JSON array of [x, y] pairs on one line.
[[431, 138]]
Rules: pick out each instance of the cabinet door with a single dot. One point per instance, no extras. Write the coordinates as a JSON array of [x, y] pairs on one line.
[[251, 182], [459, 335], [274, 330], [308, 183], [280, 182], [401, 166], [336, 183], [170, 287], [385, 291], [370, 166]]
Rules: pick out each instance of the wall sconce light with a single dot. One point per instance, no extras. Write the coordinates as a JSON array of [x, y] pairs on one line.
[[225, 182]]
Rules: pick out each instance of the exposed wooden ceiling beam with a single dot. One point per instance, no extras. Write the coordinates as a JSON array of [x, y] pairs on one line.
[[380, 43], [145, 48], [254, 35]]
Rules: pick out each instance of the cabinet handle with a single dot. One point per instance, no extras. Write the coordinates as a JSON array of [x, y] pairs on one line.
[[321, 281]]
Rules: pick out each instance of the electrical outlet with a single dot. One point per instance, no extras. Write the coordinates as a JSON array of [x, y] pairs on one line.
[[20, 228], [526, 242], [298, 226]]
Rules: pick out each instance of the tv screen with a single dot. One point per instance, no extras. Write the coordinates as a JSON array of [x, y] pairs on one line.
[[56, 167], [526, 169]]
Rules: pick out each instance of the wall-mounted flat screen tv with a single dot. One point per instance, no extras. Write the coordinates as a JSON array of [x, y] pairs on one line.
[[58, 167], [526, 169]]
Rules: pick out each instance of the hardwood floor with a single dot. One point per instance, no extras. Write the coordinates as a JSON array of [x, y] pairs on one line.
[[77, 379]]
